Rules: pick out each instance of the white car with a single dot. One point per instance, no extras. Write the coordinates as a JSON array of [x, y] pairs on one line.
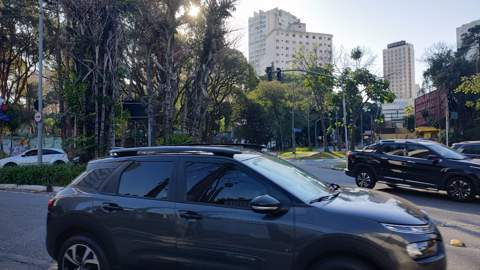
[[29, 157]]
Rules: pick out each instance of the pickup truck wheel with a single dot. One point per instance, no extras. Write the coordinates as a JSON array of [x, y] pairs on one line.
[[460, 189], [364, 178]]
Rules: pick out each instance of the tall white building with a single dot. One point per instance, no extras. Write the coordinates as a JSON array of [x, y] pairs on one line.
[[276, 35], [463, 30], [399, 70]]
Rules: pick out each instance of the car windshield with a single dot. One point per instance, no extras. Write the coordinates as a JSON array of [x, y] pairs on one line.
[[446, 152], [299, 183]]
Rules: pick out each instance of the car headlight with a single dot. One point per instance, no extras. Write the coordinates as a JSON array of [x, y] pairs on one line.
[[420, 250], [412, 229]]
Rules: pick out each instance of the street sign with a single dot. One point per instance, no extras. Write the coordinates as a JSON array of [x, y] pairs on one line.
[[38, 117]]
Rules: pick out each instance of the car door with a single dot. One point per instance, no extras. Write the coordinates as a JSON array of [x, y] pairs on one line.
[[422, 169], [28, 158], [392, 156], [218, 230], [139, 212]]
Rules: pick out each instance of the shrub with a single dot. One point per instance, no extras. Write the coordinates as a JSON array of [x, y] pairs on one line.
[[57, 175]]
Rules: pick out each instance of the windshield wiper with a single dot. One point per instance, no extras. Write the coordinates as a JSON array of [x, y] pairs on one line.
[[325, 198]]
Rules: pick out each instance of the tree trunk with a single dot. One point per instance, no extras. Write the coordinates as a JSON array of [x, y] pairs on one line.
[[150, 109]]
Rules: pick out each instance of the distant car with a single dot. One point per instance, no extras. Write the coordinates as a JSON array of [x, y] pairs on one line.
[[417, 163], [469, 149], [29, 157]]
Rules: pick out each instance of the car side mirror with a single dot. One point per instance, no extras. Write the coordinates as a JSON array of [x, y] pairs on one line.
[[265, 204]]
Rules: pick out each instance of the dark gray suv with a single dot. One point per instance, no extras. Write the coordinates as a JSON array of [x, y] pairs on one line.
[[199, 207]]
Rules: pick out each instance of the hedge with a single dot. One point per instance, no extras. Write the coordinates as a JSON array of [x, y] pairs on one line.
[[57, 175]]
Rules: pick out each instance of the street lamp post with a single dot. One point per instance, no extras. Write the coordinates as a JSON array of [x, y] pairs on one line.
[[40, 86]]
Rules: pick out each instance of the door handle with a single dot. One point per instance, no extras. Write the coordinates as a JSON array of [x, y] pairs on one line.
[[111, 207], [190, 215]]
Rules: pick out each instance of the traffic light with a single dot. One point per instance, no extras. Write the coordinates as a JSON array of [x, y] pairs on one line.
[[269, 72], [279, 74]]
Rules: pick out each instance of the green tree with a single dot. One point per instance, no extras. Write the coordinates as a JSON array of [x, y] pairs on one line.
[[471, 86]]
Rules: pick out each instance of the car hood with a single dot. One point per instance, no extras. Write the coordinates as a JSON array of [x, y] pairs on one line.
[[375, 205], [471, 161]]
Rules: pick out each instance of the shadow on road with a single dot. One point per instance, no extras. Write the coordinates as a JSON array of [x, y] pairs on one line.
[[433, 199]]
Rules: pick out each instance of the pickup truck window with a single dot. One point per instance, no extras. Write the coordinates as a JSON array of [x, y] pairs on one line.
[[394, 149]]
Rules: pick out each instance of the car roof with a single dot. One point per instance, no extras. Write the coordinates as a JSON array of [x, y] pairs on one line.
[[237, 152], [419, 141]]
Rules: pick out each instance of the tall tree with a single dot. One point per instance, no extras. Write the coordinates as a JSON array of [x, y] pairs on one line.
[[94, 33]]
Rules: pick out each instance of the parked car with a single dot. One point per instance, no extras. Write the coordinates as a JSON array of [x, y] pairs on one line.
[[469, 149], [204, 207], [417, 163], [49, 155]]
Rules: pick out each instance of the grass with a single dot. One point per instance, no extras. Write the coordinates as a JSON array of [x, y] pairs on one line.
[[308, 153]]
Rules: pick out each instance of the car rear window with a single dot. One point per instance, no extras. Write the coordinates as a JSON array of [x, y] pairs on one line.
[[94, 179]]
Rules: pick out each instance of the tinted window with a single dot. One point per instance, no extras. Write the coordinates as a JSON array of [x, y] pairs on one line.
[[473, 149], [95, 178], [444, 151], [418, 151], [50, 152], [31, 153], [395, 149], [223, 184], [146, 179]]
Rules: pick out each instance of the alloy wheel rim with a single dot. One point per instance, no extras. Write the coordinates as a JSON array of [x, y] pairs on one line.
[[363, 179], [460, 189], [80, 257]]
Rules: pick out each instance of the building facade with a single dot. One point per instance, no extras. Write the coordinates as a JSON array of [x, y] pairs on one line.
[[461, 32], [430, 108], [399, 70], [276, 35]]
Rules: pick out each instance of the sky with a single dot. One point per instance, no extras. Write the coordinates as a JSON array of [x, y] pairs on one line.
[[370, 23]]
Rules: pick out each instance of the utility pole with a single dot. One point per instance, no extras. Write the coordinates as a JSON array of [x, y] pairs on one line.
[[40, 86], [447, 121], [294, 146], [361, 128], [345, 122]]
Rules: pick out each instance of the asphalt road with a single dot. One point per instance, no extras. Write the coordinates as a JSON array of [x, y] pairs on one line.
[[22, 223]]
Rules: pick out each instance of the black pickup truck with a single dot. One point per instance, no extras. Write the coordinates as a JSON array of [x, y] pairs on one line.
[[416, 163]]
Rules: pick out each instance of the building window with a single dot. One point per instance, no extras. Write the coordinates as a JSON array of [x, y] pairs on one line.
[[293, 35], [306, 36]]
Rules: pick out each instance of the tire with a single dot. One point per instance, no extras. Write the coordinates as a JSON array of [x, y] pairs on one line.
[[460, 189], [364, 178], [95, 259], [10, 164], [341, 263], [58, 162]]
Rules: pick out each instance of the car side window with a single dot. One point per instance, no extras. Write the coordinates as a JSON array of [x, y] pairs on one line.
[[146, 179], [50, 152], [222, 184], [394, 149], [471, 149], [31, 153], [418, 151]]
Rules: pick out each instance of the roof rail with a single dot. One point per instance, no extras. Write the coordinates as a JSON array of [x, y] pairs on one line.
[[256, 147], [136, 151]]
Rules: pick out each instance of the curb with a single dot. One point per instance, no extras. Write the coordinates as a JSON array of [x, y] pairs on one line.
[[31, 188]]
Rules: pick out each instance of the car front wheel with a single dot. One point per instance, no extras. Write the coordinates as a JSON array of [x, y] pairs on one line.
[[80, 252], [460, 189], [364, 178]]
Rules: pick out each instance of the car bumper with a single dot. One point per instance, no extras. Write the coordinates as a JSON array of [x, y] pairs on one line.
[[349, 172], [437, 262]]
